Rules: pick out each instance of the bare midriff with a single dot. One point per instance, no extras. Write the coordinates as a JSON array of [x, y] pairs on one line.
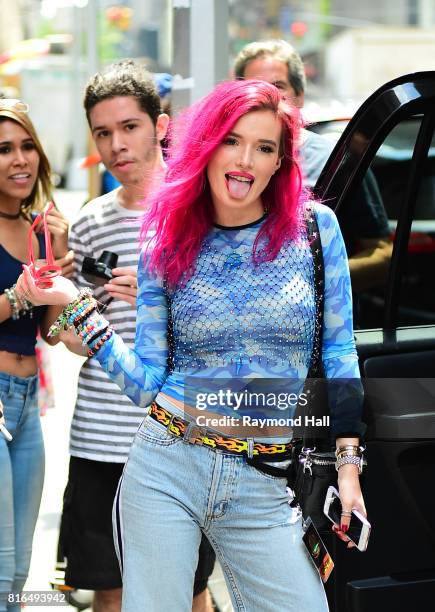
[[215, 421], [18, 365]]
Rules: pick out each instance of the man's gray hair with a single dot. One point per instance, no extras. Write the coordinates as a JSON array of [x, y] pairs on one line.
[[278, 49]]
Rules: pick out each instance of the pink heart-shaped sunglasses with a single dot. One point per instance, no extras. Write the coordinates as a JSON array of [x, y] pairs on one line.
[[42, 275]]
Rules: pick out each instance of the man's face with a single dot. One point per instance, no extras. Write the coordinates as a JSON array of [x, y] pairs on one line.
[[125, 138], [273, 71]]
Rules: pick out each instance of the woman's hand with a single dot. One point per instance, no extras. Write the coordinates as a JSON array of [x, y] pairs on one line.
[[58, 226], [67, 264], [61, 293], [351, 499]]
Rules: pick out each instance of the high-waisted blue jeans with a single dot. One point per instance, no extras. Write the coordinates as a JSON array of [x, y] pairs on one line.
[[170, 491], [21, 480]]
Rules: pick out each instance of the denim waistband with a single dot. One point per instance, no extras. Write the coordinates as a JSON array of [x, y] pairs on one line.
[[23, 384]]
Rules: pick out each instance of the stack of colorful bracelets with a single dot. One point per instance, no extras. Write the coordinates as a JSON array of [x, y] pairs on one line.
[[349, 454], [19, 305], [82, 314]]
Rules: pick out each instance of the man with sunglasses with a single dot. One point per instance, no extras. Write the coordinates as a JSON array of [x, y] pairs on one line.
[[123, 111]]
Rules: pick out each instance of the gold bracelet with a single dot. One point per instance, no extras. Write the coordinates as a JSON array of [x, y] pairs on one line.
[[348, 448], [349, 453]]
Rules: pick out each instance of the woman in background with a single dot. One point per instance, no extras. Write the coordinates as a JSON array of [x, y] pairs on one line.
[[25, 188]]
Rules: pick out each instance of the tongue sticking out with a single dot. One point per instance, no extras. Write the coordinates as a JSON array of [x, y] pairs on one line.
[[238, 189]]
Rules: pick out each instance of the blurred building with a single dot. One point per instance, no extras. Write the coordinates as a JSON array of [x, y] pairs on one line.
[[313, 25], [11, 27]]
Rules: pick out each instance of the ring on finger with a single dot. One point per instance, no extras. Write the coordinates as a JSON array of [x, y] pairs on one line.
[[346, 512]]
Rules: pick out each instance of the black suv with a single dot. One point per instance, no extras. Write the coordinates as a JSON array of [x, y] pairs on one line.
[[392, 137]]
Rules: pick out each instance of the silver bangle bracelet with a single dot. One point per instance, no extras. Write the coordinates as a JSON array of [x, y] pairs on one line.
[[353, 460]]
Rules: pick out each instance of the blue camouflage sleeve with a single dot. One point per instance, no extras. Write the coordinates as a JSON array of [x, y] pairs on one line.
[[340, 359], [140, 372]]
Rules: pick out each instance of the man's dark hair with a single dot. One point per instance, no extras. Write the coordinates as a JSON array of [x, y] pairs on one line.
[[123, 78]]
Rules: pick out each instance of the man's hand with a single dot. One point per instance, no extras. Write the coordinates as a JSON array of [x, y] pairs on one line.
[[67, 264], [123, 285], [369, 266], [58, 226]]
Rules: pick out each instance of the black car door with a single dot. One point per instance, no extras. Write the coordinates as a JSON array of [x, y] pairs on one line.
[[390, 144]]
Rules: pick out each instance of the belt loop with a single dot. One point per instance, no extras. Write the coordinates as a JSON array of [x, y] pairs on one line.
[[250, 451], [11, 389], [31, 387], [170, 423], [188, 432]]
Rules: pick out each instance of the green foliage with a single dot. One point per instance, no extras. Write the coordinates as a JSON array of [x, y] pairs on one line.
[[110, 38], [45, 28]]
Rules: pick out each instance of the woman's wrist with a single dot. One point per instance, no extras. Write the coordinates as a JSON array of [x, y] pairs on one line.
[[70, 297], [348, 470], [349, 453], [73, 302]]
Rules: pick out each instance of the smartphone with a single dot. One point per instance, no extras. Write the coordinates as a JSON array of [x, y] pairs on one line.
[[359, 527]]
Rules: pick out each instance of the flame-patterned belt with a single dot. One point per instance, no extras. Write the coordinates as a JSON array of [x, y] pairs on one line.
[[194, 434]]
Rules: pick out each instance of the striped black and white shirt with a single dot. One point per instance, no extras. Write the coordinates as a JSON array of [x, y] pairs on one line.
[[105, 421]]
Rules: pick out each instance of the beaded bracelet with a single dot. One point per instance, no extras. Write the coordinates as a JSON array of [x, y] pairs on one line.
[[100, 342], [80, 308], [26, 306], [97, 334], [83, 314], [13, 301], [87, 327], [71, 310], [89, 332]]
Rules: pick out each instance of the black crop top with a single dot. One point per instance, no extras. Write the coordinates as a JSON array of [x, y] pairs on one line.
[[18, 336]]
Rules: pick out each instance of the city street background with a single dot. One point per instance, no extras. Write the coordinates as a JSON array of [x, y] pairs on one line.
[[49, 48]]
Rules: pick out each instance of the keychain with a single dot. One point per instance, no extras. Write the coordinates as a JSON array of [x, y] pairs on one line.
[[3, 429]]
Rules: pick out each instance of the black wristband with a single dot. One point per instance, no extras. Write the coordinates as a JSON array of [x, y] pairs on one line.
[[99, 333]]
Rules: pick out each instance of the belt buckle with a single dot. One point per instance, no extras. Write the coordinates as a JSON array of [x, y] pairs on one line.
[[194, 434]]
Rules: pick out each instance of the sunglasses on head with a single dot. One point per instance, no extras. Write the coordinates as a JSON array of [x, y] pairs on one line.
[[8, 103], [42, 275]]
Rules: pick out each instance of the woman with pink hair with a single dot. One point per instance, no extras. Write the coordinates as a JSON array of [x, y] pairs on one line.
[[226, 299]]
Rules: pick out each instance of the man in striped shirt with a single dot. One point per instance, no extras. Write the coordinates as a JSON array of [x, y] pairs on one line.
[[123, 111]]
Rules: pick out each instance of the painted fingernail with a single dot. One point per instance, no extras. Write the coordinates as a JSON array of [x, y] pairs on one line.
[[344, 528]]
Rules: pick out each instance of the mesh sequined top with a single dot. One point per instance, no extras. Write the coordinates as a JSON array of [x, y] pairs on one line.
[[236, 319]]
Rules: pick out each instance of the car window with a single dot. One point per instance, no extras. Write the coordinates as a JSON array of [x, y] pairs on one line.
[[382, 192], [392, 168]]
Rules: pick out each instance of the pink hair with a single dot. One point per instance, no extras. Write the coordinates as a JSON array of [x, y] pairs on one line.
[[181, 210]]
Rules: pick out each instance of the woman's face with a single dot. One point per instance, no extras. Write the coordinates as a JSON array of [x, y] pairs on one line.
[[19, 162], [242, 166]]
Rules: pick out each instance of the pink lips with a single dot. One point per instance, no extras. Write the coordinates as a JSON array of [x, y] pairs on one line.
[[243, 174], [237, 188], [20, 178]]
